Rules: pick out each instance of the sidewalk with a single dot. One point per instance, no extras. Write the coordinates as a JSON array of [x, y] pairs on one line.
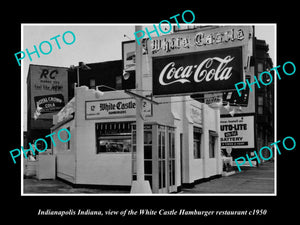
[[251, 180], [35, 186]]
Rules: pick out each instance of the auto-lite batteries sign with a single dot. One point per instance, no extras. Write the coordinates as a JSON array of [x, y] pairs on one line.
[[200, 60], [215, 70], [237, 132]]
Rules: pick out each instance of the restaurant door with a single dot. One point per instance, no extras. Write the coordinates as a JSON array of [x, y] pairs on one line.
[[159, 157]]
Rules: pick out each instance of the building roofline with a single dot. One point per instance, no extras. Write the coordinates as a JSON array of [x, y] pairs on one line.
[[48, 66]]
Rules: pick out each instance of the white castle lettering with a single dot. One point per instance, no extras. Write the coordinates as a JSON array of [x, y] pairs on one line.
[[170, 74]]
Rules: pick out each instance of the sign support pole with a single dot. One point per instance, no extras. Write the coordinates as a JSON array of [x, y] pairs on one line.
[[140, 185]]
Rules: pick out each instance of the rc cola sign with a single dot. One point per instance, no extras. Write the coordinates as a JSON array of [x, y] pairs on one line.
[[198, 72]]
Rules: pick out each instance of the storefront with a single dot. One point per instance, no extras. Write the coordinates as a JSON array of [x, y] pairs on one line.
[[181, 135], [181, 141]]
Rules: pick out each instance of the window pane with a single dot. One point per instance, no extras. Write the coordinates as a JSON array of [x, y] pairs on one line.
[[148, 137], [148, 152], [159, 174], [170, 172], [163, 153], [173, 145], [173, 172], [159, 146], [164, 173], [148, 167], [197, 143], [211, 146], [113, 137], [114, 145]]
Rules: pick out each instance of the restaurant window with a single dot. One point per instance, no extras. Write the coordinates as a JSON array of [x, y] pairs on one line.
[[212, 144], [113, 137], [197, 143]]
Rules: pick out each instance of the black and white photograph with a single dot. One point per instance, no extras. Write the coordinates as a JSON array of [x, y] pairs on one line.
[[165, 116], [176, 114]]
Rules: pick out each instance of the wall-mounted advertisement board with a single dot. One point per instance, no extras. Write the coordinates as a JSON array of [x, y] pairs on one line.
[[237, 132], [206, 60]]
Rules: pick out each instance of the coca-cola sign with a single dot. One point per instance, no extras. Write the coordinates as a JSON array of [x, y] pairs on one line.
[[199, 72]]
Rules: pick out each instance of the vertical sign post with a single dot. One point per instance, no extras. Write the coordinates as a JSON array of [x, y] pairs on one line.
[[140, 185]]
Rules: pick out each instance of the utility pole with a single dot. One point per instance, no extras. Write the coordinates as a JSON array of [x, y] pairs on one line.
[[140, 185]]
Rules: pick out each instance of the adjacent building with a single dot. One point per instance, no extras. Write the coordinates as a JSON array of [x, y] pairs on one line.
[[247, 122], [47, 93]]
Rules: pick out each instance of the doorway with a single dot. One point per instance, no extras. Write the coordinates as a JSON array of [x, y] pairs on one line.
[[159, 157]]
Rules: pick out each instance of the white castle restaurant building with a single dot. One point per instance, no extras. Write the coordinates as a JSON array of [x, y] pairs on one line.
[[181, 135], [181, 143]]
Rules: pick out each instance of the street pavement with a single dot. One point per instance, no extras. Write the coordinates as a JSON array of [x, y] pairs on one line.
[[35, 186], [251, 180]]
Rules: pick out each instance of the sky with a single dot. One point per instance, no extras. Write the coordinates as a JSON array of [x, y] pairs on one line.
[[94, 43]]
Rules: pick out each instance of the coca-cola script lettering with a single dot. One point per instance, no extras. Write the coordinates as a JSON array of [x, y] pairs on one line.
[[215, 70], [199, 73]]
